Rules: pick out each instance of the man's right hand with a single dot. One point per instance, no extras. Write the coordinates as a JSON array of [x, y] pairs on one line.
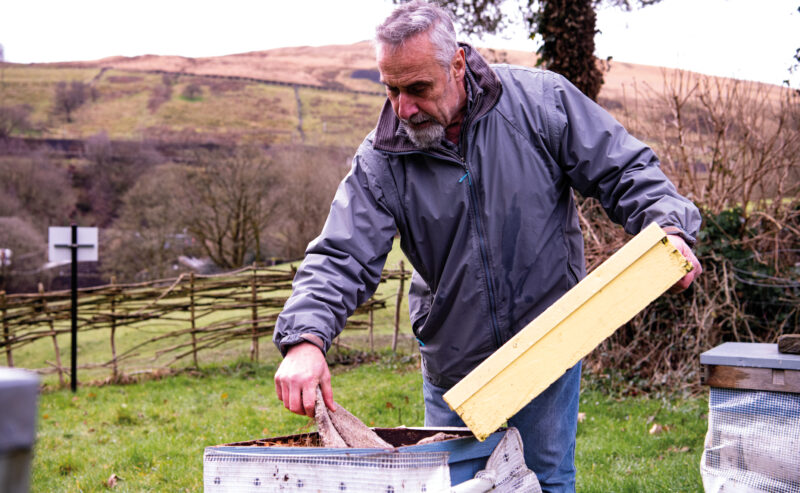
[[303, 370]]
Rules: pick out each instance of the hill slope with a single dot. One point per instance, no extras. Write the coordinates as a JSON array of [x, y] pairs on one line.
[[302, 95]]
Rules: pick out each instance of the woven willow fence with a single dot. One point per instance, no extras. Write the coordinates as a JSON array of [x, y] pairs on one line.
[[152, 326]]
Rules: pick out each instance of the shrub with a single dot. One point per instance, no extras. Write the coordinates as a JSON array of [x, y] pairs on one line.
[[734, 148], [160, 95], [192, 92]]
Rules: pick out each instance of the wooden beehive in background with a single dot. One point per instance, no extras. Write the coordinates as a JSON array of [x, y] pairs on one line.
[[753, 439], [642, 270]]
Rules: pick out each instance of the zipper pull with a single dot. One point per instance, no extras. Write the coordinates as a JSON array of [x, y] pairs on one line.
[[466, 175]]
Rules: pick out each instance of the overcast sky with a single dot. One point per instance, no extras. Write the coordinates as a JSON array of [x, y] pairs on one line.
[[746, 39]]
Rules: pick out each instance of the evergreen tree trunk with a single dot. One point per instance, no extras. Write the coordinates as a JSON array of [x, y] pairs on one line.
[[568, 28]]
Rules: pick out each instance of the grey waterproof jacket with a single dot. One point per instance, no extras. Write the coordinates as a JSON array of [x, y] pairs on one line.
[[490, 226]]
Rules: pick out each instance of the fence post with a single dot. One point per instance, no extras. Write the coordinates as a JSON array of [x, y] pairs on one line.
[[54, 335], [191, 312], [254, 315], [398, 308], [114, 368], [6, 332], [371, 326]]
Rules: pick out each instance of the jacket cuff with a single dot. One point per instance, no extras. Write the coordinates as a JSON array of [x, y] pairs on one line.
[[674, 230], [294, 340]]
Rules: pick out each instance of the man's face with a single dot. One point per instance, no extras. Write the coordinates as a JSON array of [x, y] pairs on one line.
[[425, 97]]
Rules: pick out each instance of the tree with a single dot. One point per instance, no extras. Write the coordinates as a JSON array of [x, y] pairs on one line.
[[14, 119], [566, 29], [160, 93], [794, 68], [309, 179], [148, 237], [231, 199], [192, 92], [27, 248], [69, 97], [34, 188], [113, 170]]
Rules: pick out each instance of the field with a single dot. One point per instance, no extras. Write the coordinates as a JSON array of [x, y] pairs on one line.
[[142, 105], [303, 95]]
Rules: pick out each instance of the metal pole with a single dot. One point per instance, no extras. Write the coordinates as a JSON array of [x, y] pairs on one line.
[[74, 282], [254, 316], [397, 308], [3, 268]]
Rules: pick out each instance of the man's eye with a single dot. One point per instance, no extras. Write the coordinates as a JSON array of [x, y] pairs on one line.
[[391, 90]]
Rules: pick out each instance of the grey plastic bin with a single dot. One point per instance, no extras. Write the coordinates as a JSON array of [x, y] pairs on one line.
[[19, 390]]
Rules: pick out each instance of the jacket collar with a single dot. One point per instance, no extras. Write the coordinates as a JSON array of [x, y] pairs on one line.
[[483, 90]]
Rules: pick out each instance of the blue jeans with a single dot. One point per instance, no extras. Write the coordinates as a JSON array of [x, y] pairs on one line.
[[548, 425]]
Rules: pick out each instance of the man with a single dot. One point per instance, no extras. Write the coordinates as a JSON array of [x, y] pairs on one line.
[[474, 166]]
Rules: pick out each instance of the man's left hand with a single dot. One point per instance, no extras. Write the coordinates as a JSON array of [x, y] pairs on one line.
[[682, 247]]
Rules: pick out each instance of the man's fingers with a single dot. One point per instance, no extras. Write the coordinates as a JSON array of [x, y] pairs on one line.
[[698, 269], [327, 394], [278, 388], [309, 400], [303, 369], [686, 251], [295, 401], [684, 283]]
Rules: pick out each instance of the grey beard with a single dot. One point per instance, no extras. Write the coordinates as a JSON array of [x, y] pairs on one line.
[[427, 137]]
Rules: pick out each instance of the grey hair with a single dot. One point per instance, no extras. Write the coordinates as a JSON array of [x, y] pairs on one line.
[[416, 17]]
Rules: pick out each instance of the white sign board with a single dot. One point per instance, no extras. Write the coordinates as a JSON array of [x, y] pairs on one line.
[[60, 239], [5, 257]]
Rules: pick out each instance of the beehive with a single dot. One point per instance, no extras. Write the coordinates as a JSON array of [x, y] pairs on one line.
[[753, 439], [294, 463]]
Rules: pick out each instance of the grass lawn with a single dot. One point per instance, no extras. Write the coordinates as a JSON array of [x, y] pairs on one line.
[[152, 434]]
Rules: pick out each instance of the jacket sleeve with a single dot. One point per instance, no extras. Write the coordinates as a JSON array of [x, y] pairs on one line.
[[604, 161], [342, 266]]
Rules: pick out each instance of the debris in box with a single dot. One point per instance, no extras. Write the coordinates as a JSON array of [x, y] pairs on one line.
[[340, 429], [396, 437]]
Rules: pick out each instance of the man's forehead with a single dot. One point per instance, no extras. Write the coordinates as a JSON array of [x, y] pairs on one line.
[[418, 47], [413, 61], [419, 42], [407, 77]]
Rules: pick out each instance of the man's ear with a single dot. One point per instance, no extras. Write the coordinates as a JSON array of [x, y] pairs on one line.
[[459, 65]]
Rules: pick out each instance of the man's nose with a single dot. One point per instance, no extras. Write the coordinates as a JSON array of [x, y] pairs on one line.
[[406, 106]]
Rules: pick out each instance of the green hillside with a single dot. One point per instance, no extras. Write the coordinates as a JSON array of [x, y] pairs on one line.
[[129, 105]]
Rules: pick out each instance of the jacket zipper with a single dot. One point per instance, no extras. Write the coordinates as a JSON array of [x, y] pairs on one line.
[[484, 253], [473, 198], [479, 227]]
